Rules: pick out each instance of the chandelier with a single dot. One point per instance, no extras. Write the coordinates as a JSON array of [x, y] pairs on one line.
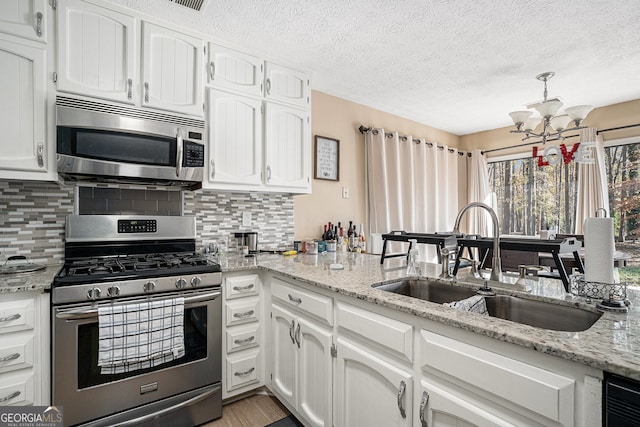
[[553, 125]]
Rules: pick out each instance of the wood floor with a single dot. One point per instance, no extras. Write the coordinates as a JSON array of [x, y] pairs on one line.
[[258, 410]]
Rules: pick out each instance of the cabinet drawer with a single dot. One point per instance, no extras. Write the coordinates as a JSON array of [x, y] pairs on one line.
[[536, 389], [17, 388], [394, 336], [242, 310], [306, 301], [240, 286], [16, 315], [241, 337], [242, 370], [16, 351]]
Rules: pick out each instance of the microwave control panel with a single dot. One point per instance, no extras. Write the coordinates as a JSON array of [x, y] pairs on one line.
[[193, 154]]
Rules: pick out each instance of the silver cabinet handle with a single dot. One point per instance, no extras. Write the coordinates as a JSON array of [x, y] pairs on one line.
[[40, 154], [146, 92], [423, 408], [179, 151], [401, 391], [129, 89], [39, 24], [245, 314], [298, 335], [294, 299], [212, 70], [268, 83], [245, 341], [242, 374], [10, 317], [293, 325], [9, 396], [243, 288], [268, 173], [10, 357], [213, 169]]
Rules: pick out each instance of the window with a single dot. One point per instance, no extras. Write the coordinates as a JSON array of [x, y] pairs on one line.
[[623, 176], [533, 198]]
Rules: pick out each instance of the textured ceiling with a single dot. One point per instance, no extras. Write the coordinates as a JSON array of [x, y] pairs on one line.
[[457, 65]]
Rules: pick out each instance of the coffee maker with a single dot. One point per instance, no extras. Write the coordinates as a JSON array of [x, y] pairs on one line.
[[248, 239]]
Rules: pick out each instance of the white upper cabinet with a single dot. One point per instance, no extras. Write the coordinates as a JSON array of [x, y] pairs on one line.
[[172, 65], [24, 18], [236, 71], [235, 139], [23, 110], [96, 52], [283, 84], [287, 147]]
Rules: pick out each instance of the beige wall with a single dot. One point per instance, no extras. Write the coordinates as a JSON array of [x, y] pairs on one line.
[[611, 116], [338, 118]]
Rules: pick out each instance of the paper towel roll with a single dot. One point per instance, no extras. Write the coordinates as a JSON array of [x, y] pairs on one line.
[[598, 250]]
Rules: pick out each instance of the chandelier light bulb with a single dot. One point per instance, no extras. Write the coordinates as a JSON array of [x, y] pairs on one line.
[[559, 123], [578, 113], [519, 117], [548, 109], [531, 124]]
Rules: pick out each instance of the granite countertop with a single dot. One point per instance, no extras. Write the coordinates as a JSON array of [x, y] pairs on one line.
[[34, 281], [611, 344]]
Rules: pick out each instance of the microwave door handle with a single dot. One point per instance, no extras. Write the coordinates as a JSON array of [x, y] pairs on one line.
[[179, 152]]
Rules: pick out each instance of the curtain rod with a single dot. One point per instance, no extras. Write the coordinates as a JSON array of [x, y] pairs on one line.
[[362, 129], [551, 140]]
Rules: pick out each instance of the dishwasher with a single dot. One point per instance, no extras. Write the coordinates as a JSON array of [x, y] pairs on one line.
[[621, 402]]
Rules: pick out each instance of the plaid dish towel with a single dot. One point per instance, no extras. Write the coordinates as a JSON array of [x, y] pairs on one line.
[[141, 335], [475, 304]]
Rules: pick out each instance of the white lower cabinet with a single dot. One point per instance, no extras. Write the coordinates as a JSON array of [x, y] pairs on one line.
[[242, 338], [302, 365], [369, 390]]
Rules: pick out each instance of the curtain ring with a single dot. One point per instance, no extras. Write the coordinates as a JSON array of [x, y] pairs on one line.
[[440, 147], [403, 138], [388, 135], [417, 141], [375, 131]]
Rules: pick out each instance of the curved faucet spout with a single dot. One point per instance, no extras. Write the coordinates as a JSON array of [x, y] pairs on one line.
[[496, 264]]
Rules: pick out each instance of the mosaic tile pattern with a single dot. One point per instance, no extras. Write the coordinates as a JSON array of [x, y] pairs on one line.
[[220, 214], [32, 214]]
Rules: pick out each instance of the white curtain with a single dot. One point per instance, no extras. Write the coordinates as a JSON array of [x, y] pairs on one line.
[[479, 220], [412, 185], [593, 193]]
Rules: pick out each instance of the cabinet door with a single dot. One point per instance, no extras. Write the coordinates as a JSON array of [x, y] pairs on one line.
[[171, 70], [235, 139], [370, 391], [284, 351], [315, 372], [24, 18], [287, 147], [233, 70], [283, 84], [96, 52], [439, 408], [22, 108]]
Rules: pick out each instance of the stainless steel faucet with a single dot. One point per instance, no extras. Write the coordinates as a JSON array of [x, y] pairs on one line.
[[496, 264]]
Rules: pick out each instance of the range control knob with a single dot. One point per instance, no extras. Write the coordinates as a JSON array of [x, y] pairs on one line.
[[94, 293], [195, 281], [113, 291], [150, 286], [181, 283]]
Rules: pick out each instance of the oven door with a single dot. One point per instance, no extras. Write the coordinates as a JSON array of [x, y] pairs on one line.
[[87, 395]]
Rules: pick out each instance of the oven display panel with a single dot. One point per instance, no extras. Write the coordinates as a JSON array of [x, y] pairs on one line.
[[137, 226]]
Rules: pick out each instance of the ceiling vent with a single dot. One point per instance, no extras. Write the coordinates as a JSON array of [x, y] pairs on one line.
[[197, 5]]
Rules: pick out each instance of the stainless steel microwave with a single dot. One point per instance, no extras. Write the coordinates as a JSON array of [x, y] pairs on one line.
[[105, 142]]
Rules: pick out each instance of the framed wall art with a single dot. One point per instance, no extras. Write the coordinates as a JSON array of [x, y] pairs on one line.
[[327, 158]]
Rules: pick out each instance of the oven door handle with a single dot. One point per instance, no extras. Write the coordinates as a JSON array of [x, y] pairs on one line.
[[162, 412], [93, 312]]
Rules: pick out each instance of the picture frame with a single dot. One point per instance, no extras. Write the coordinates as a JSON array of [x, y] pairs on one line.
[[327, 158]]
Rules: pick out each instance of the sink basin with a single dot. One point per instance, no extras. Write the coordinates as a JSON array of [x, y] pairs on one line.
[[428, 290], [541, 314]]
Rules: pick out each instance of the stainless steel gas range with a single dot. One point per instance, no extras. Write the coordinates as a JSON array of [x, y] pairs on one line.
[[117, 262]]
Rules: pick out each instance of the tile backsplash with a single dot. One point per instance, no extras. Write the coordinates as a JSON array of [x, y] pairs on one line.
[[32, 214]]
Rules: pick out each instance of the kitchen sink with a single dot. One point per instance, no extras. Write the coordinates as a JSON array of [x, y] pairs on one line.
[[428, 290], [539, 314]]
